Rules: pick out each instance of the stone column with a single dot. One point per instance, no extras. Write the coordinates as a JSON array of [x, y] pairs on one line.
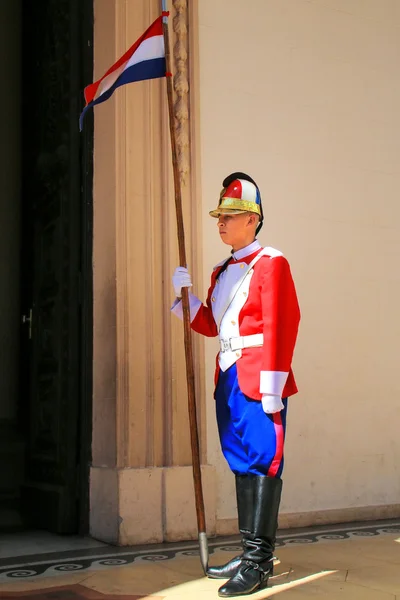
[[141, 478]]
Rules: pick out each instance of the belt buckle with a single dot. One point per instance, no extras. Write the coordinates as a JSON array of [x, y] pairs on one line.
[[225, 345]]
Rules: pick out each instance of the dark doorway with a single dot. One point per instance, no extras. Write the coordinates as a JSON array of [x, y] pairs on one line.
[[56, 270]]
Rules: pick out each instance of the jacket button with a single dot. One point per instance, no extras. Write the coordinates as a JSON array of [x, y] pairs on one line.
[[238, 354], [244, 293], [233, 322], [242, 266], [213, 299]]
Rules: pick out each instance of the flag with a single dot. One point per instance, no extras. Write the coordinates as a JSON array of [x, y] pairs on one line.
[[144, 60]]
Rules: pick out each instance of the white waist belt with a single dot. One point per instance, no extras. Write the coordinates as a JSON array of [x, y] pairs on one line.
[[244, 341]]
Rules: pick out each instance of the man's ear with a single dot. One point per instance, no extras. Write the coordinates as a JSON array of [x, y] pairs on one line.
[[252, 219]]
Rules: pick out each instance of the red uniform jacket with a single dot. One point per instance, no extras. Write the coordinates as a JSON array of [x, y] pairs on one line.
[[264, 302]]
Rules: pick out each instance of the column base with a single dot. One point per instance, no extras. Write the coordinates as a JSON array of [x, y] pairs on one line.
[[146, 506]]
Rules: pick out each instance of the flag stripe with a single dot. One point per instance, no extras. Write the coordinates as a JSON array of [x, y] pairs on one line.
[[109, 81], [147, 69], [155, 29], [149, 49]]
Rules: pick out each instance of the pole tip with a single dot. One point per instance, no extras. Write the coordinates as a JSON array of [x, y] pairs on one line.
[[203, 544]]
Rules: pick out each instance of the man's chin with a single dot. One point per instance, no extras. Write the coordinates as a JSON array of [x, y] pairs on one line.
[[224, 239]]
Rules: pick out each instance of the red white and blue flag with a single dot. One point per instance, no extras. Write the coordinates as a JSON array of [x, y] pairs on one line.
[[144, 60]]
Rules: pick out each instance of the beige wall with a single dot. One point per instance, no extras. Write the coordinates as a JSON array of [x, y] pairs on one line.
[[304, 95]]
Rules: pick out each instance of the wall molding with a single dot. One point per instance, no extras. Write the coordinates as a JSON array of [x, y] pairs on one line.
[[321, 517], [122, 260]]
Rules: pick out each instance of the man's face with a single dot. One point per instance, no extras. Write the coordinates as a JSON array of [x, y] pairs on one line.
[[235, 229]]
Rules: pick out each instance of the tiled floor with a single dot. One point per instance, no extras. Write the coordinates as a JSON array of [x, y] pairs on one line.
[[360, 562], [39, 542]]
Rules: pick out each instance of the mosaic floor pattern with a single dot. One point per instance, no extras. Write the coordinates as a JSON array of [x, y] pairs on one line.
[[345, 563]]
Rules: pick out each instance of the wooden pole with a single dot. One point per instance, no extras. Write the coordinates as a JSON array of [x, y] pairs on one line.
[[194, 436]]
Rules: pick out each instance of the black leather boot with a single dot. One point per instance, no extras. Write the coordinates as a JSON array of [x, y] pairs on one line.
[[257, 560], [245, 503]]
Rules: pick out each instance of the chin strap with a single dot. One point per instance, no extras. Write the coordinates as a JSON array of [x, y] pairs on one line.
[[261, 223]]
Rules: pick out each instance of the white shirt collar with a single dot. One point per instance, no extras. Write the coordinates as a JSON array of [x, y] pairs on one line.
[[250, 249]]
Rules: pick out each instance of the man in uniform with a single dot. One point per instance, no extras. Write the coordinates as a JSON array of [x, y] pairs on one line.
[[252, 306]]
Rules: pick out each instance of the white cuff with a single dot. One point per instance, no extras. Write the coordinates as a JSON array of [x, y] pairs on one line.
[[271, 403], [194, 305], [273, 382]]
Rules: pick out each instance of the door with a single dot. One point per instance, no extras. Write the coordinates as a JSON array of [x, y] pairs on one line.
[[56, 48]]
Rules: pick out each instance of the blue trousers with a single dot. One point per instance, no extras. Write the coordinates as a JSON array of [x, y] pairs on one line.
[[251, 441]]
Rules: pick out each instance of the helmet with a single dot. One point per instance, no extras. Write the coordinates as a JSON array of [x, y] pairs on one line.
[[239, 194]]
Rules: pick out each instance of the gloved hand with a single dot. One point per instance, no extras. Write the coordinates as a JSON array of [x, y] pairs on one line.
[[181, 278], [271, 404]]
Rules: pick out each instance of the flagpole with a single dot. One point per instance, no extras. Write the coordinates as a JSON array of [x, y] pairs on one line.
[[194, 436]]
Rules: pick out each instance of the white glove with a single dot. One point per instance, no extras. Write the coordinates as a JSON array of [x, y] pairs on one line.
[[271, 404], [181, 278]]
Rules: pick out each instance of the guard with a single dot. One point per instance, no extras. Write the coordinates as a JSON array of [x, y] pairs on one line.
[[252, 307]]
